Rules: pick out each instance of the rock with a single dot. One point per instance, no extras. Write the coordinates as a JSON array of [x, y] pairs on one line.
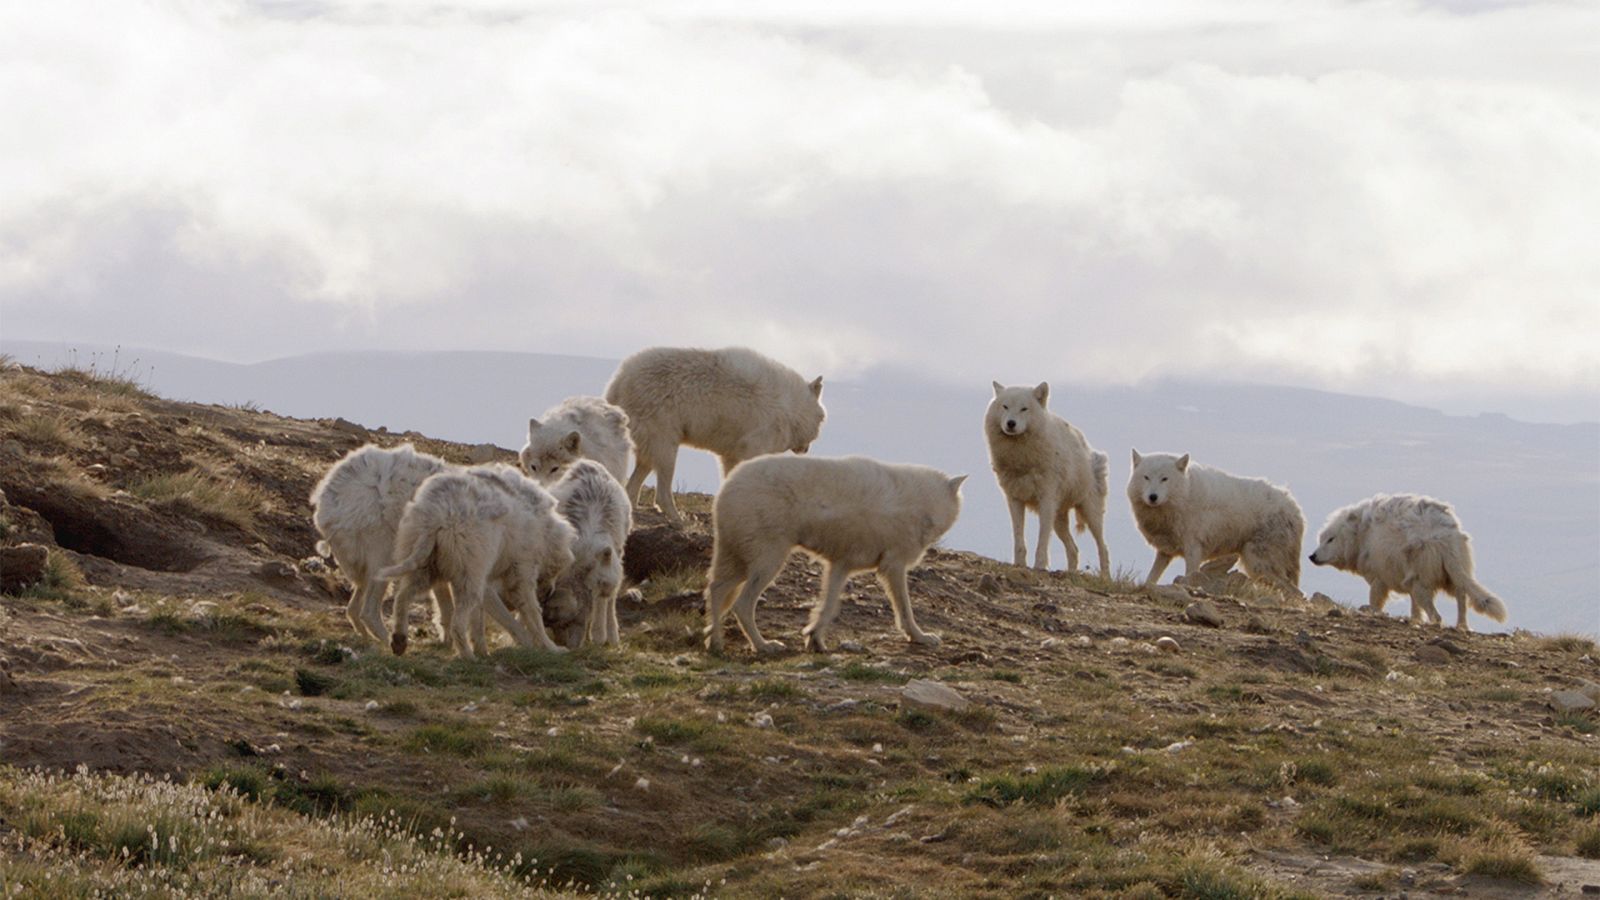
[[22, 566], [761, 720], [1203, 612], [895, 818], [1049, 643], [1571, 701], [932, 695], [988, 585], [1431, 655], [1171, 593], [1303, 638], [313, 565], [643, 784], [777, 843], [1167, 645], [1589, 689], [276, 570], [1178, 746], [347, 426], [483, 453], [1448, 646], [851, 647], [846, 705], [662, 549]]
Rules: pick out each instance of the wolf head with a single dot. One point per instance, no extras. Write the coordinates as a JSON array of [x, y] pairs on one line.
[[549, 451], [1016, 409], [1158, 478], [1339, 543], [596, 569], [808, 424]]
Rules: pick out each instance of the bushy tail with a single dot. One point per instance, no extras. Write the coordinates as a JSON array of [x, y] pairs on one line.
[[1100, 468], [422, 544], [1459, 568]]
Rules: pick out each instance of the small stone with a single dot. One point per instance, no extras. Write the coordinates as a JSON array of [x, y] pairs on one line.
[[1178, 746], [202, 611], [777, 843], [895, 818], [122, 598], [470, 708], [1303, 638], [988, 585], [371, 705], [347, 426], [520, 823], [1203, 612], [932, 695], [877, 748], [1570, 701], [313, 565], [851, 647], [762, 720], [1431, 655], [1171, 593], [1083, 640], [1448, 646], [643, 784], [845, 705], [276, 570], [1167, 645], [1049, 643]]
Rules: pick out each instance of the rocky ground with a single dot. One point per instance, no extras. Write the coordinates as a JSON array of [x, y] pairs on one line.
[[163, 613]]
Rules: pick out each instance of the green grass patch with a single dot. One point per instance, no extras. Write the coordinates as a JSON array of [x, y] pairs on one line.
[[861, 672], [460, 739], [1044, 787], [233, 501]]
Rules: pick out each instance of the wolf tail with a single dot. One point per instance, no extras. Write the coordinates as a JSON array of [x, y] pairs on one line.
[[422, 543], [1459, 567]]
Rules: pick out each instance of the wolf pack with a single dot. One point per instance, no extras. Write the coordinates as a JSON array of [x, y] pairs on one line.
[[538, 547]]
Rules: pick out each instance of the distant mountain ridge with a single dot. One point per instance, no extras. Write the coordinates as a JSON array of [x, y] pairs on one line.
[[1528, 493]]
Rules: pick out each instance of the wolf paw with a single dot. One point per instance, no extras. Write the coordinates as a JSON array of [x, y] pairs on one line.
[[926, 639]]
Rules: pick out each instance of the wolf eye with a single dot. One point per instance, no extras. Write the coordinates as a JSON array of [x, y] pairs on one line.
[[1005, 407], [1024, 409], [1163, 478]]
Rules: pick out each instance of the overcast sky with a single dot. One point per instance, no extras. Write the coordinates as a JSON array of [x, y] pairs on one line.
[[1390, 198]]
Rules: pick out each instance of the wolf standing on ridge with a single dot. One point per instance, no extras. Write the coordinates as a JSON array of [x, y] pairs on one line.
[[733, 402], [851, 513], [1201, 513], [1410, 544], [1043, 463]]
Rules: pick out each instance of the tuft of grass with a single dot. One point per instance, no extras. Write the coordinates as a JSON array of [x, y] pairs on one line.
[[1571, 643], [1505, 861], [235, 502], [312, 684], [47, 431], [1587, 844], [62, 578], [1578, 721], [860, 671], [1042, 788], [673, 582], [111, 375], [463, 739]]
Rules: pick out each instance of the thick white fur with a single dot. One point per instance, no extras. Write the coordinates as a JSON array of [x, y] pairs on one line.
[[576, 428], [1043, 463], [852, 514], [357, 507], [1410, 544], [594, 504], [733, 402], [469, 530], [1201, 513]]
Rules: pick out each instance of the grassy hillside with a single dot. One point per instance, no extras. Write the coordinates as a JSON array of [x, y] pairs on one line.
[[184, 666]]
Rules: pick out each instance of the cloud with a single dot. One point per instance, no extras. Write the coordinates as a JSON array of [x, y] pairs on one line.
[[1352, 196]]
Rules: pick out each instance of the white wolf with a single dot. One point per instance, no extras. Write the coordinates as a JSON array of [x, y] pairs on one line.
[[471, 530], [1410, 544], [733, 402], [1044, 464], [852, 514], [576, 428], [357, 507], [595, 505], [1201, 513]]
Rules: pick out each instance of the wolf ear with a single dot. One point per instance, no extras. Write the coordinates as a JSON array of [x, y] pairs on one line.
[[816, 387], [1183, 463], [1136, 457], [955, 483], [533, 425], [998, 387], [571, 441], [1042, 392]]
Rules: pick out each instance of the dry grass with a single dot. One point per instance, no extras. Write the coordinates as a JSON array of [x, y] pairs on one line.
[[230, 501], [106, 835]]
